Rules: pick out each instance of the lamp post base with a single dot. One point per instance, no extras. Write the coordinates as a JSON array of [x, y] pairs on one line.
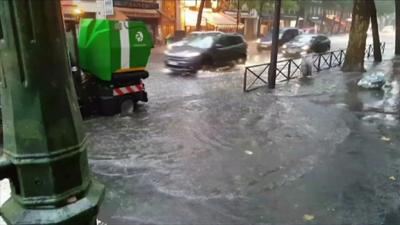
[[81, 212]]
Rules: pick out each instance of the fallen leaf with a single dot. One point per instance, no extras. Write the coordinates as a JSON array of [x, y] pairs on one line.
[[383, 138], [248, 152], [392, 178], [308, 217]]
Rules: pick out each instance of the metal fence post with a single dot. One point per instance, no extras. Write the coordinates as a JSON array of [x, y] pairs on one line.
[[330, 60], [290, 63], [245, 80], [319, 63], [341, 57]]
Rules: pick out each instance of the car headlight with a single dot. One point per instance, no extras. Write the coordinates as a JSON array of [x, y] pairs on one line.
[[306, 47], [192, 54], [284, 46]]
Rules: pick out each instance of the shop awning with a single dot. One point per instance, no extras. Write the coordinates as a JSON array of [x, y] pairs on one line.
[[220, 20], [216, 19], [137, 13]]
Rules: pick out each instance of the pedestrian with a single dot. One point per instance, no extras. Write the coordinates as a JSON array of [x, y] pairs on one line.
[[306, 65]]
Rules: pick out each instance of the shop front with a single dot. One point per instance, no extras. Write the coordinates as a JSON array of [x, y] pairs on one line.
[[147, 12], [211, 21]]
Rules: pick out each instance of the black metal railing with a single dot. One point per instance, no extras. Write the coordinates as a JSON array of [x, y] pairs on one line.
[[256, 76], [326, 61], [285, 70], [370, 50]]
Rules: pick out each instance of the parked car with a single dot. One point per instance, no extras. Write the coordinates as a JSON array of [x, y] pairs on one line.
[[285, 35], [306, 43], [208, 49]]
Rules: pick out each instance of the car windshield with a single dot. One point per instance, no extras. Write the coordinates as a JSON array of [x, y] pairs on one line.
[[201, 41], [269, 35], [304, 38]]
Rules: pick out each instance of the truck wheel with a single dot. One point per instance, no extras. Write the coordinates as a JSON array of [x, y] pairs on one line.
[[135, 106], [127, 106]]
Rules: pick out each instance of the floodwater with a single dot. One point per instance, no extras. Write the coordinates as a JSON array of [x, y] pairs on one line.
[[316, 150]]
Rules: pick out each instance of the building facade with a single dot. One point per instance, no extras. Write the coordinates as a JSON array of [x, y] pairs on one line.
[[161, 16], [165, 18]]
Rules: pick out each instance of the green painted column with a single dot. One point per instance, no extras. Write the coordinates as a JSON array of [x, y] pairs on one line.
[[45, 154]]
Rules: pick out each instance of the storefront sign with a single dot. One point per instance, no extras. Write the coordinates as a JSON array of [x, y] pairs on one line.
[[136, 4], [108, 7]]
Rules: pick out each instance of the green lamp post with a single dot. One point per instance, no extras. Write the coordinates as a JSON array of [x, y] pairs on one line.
[[45, 154]]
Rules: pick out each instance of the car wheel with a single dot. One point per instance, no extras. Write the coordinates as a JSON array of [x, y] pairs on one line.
[[207, 63], [242, 59]]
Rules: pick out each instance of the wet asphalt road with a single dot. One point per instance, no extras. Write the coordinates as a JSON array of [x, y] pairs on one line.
[[203, 152]]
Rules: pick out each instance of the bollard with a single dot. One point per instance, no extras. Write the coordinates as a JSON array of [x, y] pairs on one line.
[[45, 154]]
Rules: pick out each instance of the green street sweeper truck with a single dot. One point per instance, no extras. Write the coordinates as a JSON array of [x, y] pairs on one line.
[[109, 61]]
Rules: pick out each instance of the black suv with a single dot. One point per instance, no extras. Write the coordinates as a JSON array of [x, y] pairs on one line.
[[285, 35], [208, 49]]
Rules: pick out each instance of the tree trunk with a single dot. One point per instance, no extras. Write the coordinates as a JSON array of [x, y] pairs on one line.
[[397, 47], [354, 60], [300, 13], [238, 16], [322, 21], [340, 21], [200, 15], [375, 32], [260, 12], [333, 23], [305, 16]]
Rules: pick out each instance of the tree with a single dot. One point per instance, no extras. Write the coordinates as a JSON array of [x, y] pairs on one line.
[[274, 47], [354, 60], [300, 13], [397, 47], [375, 31], [200, 15]]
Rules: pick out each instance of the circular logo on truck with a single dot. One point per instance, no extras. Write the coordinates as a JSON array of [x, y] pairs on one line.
[[139, 36]]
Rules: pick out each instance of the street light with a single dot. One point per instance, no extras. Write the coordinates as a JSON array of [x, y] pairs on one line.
[[45, 148]]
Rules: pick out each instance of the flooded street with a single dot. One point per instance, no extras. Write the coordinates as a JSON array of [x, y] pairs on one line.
[[314, 151]]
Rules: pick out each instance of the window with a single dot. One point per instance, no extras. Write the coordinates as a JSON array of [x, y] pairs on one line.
[[223, 40], [233, 40]]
